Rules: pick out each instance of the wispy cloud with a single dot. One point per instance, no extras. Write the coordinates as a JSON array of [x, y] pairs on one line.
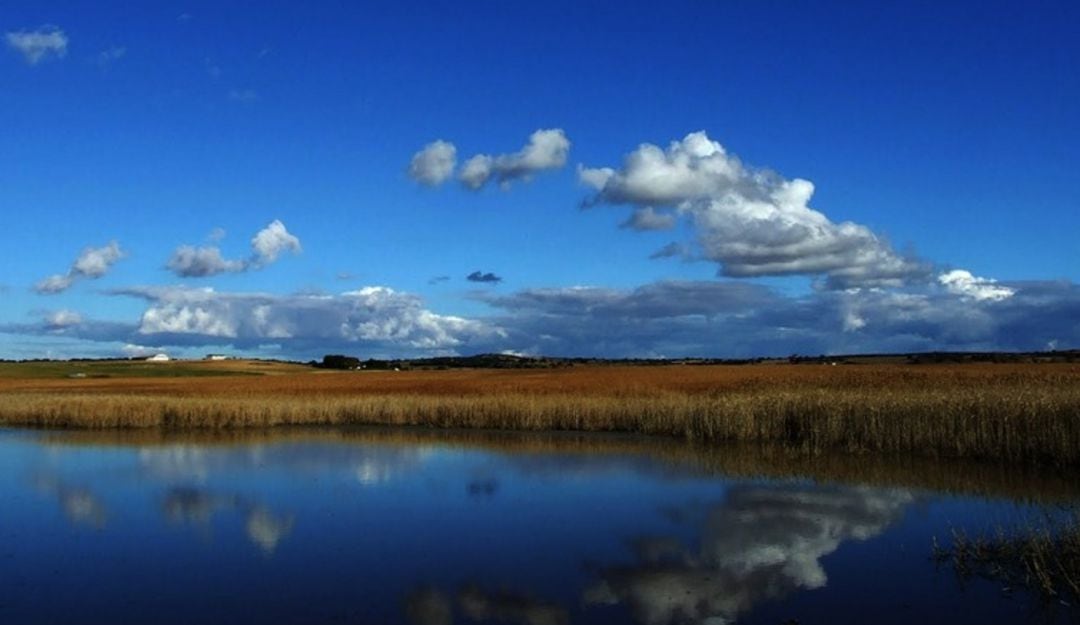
[[243, 95], [38, 45], [92, 263], [110, 55]]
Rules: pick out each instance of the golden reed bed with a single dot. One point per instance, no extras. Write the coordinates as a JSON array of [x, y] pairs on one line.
[[1023, 413]]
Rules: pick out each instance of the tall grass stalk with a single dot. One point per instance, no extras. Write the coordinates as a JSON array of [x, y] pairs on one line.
[[1005, 422]]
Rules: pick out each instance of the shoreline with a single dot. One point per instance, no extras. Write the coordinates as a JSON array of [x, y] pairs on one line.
[[1027, 415]]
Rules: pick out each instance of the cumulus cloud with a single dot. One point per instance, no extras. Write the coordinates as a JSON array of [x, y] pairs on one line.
[[733, 319], [751, 221], [371, 317], [92, 263], [434, 164], [962, 283], [480, 276], [546, 149], [272, 241], [647, 218], [267, 245], [38, 45], [737, 319], [195, 262], [60, 319]]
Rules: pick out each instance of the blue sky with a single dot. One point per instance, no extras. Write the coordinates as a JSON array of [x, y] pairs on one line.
[[941, 143]]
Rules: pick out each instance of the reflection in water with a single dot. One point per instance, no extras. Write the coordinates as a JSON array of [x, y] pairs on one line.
[[759, 543], [80, 506], [265, 529], [429, 606], [192, 505], [713, 535], [189, 505], [506, 607]]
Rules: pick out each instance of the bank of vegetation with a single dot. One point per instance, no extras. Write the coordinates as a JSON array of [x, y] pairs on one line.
[[1017, 413]]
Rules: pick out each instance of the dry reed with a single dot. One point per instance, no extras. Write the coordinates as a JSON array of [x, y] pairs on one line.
[[1043, 557], [1019, 415]]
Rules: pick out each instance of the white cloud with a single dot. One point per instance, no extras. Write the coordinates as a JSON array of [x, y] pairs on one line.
[[646, 218], [546, 149], [371, 316], [476, 171], [92, 263], [752, 222], [61, 319], [271, 241], [434, 164], [732, 319], [193, 262], [962, 283], [266, 246], [38, 45]]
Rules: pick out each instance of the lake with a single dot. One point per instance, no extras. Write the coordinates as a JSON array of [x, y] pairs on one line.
[[432, 528]]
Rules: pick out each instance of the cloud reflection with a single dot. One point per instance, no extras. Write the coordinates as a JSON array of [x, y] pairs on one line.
[[80, 506], [431, 606], [759, 543], [263, 527]]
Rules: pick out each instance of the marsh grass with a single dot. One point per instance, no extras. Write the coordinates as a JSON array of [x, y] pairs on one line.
[[1041, 556], [1006, 418]]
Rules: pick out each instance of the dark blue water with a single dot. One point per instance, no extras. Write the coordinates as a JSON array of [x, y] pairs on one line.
[[399, 527]]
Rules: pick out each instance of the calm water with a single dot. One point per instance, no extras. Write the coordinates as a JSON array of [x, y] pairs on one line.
[[362, 526]]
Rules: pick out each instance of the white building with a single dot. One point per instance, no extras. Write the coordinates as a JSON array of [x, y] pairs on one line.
[[158, 358]]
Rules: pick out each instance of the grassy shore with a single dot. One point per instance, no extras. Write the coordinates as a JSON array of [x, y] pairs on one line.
[[1026, 414]]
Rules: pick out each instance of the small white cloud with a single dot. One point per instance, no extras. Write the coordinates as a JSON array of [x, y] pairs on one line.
[[434, 164], [92, 263], [196, 262], [476, 171], [267, 245], [61, 319], [271, 241], [38, 45], [546, 149], [962, 283]]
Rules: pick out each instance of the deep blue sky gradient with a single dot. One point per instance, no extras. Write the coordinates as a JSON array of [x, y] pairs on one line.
[[949, 128]]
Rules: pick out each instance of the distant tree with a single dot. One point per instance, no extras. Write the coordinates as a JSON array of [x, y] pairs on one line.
[[337, 361]]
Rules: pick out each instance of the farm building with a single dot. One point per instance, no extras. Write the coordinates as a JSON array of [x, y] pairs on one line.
[[158, 358]]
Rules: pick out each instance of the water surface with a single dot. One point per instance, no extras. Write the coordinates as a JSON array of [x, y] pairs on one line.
[[407, 526]]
